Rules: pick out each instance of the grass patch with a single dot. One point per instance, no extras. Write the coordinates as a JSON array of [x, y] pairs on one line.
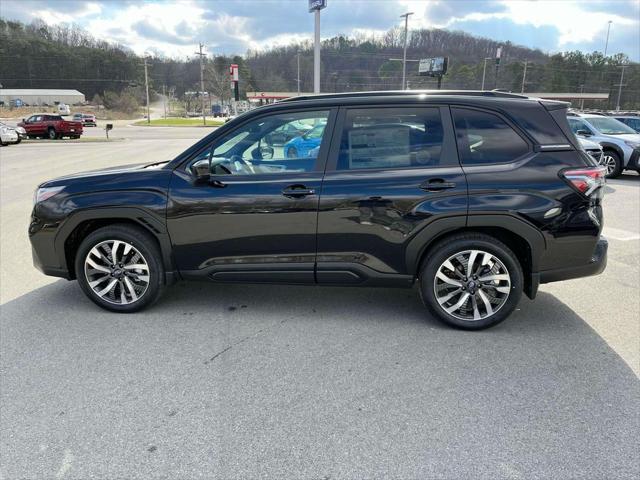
[[180, 122]]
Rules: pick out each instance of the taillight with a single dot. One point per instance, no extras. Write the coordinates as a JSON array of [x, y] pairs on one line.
[[586, 180]]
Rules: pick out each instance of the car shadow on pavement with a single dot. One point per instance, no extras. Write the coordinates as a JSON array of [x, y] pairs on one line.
[[244, 381]]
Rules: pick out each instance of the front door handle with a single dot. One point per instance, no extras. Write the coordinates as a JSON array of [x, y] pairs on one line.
[[436, 184], [297, 191]]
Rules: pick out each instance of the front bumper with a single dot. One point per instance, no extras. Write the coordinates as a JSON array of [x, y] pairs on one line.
[[596, 266], [634, 160]]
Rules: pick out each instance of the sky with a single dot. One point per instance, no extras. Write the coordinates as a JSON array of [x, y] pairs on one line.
[[174, 28]]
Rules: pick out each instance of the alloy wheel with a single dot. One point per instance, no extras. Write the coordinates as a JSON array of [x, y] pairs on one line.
[[472, 285], [608, 162], [117, 272]]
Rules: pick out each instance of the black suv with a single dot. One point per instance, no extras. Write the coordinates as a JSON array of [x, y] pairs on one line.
[[478, 195]]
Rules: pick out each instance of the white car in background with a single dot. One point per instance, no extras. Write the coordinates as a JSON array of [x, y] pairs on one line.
[[8, 135]]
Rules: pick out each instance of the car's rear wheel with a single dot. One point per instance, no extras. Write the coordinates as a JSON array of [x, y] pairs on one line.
[[471, 281], [51, 134], [119, 268], [612, 162]]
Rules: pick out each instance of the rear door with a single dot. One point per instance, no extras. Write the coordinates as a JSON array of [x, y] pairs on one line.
[[392, 182]]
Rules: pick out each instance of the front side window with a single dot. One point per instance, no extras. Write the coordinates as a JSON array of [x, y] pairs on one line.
[[391, 138], [485, 138], [282, 143]]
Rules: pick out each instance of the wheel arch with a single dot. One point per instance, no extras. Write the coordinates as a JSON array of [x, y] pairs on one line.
[[526, 242], [81, 224], [613, 147]]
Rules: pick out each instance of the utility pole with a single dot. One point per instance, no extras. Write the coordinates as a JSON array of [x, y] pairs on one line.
[[620, 85], [484, 71], [146, 86], [582, 99], [201, 55], [298, 78], [606, 44], [404, 52], [164, 100], [524, 76]]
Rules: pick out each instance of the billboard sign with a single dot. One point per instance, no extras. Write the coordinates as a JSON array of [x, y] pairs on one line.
[[433, 67], [317, 5]]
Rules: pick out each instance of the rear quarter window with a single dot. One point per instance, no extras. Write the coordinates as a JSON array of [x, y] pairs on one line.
[[485, 138]]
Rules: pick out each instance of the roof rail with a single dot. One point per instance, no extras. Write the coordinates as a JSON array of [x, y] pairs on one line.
[[389, 93]]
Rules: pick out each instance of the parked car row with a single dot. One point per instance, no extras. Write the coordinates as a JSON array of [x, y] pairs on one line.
[[619, 141]]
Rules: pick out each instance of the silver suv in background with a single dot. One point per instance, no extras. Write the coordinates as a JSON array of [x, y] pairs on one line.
[[620, 143]]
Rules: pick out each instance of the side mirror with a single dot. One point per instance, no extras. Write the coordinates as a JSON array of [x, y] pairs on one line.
[[583, 133], [201, 170]]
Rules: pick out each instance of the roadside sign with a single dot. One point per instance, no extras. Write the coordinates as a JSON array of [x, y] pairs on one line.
[[498, 55], [433, 67], [317, 5], [233, 71]]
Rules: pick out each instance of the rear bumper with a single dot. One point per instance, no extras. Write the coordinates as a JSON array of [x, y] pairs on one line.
[[597, 265]]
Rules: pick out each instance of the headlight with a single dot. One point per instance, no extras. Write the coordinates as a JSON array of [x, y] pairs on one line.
[[632, 144], [45, 193]]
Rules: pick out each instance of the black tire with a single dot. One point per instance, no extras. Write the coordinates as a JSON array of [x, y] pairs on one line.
[[51, 134], [292, 152], [19, 140], [443, 250], [609, 156], [140, 240]]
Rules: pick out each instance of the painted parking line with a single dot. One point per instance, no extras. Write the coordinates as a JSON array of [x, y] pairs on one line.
[[619, 234]]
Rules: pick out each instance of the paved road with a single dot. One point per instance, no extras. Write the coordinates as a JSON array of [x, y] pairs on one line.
[[236, 381]]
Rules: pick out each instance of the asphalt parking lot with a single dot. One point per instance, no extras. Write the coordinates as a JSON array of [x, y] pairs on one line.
[[243, 381]]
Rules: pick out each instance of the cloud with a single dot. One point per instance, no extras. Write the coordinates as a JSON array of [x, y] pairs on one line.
[[175, 27]]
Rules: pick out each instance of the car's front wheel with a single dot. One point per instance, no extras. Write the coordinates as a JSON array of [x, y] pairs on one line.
[[119, 268], [471, 281], [612, 162]]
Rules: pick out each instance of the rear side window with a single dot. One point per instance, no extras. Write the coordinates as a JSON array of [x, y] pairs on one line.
[[391, 138], [485, 138]]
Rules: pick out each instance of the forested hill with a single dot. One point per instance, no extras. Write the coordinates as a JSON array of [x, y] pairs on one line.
[[41, 56]]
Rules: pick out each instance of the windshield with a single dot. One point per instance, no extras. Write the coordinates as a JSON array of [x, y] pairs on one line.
[[610, 126]]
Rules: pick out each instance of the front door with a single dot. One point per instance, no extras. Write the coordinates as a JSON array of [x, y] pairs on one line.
[[255, 219], [393, 181]]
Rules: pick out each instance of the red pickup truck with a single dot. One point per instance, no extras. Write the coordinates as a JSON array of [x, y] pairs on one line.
[[50, 126]]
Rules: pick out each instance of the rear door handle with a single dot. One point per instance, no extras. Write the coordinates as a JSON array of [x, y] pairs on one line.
[[297, 191], [436, 184]]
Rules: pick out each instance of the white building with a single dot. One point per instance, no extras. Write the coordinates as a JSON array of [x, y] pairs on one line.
[[40, 96]]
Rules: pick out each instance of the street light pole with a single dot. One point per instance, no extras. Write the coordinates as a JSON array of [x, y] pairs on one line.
[[404, 53], [316, 54], [606, 45], [484, 71]]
